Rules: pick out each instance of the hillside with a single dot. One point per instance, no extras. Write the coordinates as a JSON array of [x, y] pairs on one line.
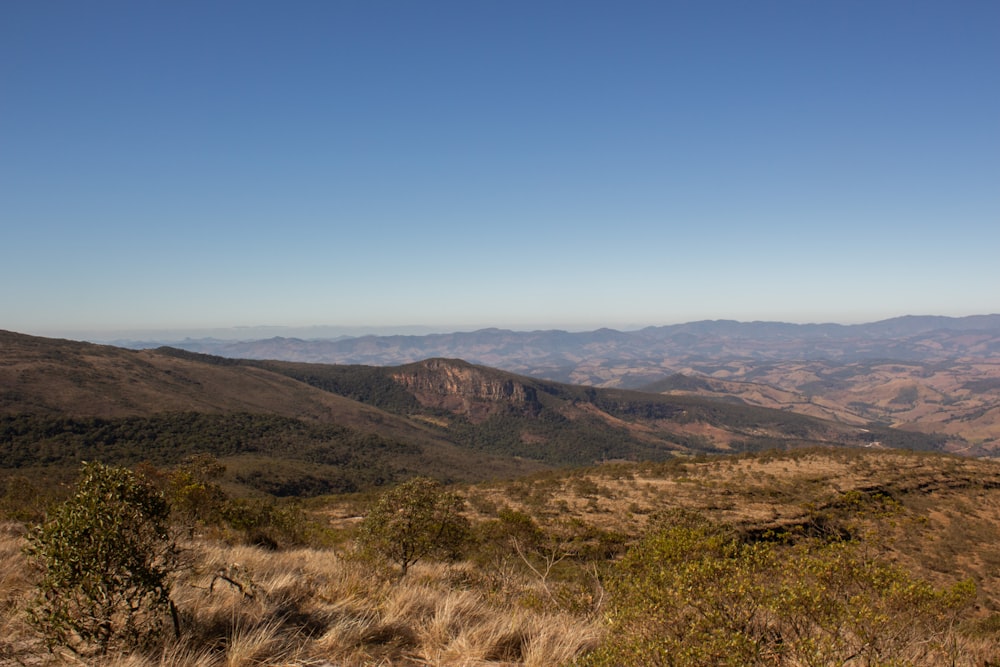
[[935, 515], [293, 428], [817, 556], [531, 418], [63, 401], [960, 398], [928, 374]]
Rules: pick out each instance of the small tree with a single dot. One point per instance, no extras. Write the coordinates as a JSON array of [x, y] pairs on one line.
[[193, 493], [414, 520], [105, 556]]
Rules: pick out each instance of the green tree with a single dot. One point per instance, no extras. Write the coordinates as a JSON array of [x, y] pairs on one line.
[[194, 495], [417, 519], [105, 557]]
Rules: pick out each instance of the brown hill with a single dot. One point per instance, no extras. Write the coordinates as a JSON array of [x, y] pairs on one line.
[[295, 428], [927, 374], [960, 398], [530, 417], [77, 400], [42, 375]]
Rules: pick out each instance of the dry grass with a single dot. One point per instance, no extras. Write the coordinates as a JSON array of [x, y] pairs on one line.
[[15, 588], [311, 607], [246, 606], [949, 507]]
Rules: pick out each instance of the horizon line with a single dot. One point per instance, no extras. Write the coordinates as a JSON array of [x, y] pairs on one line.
[[180, 333]]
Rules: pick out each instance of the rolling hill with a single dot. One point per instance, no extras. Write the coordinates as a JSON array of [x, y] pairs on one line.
[[927, 374], [960, 398], [546, 542], [301, 429]]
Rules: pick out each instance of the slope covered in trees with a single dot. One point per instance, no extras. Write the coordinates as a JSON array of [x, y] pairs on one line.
[[346, 428]]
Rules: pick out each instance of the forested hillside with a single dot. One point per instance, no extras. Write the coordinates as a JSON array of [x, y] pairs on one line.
[[304, 429]]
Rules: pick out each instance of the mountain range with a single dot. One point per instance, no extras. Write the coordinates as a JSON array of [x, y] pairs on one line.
[[929, 374], [631, 359], [292, 428]]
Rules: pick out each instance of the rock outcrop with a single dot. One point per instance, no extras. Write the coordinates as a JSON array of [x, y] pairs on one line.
[[465, 389]]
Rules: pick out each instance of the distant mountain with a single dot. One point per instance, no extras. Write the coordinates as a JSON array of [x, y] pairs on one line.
[[611, 358], [851, 373], [295, 428]]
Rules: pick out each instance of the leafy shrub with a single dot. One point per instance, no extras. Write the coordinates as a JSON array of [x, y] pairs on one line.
[[836, 603], [417, 519], [194, 495], [695, 593], [199, 504], [689, 594], [266, 523], [105, 557]]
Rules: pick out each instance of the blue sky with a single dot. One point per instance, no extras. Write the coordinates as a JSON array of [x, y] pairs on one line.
[[187, 165]]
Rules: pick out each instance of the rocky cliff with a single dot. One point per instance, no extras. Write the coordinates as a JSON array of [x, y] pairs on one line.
[[465, 389]]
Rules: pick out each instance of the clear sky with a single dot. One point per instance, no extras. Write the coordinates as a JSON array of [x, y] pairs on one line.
[[516, 163]]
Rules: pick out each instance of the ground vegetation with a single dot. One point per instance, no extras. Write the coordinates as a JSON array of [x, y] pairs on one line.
[[810, 557]]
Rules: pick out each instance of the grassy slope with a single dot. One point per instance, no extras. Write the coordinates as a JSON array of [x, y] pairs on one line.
[[945, 510], [312, 605]]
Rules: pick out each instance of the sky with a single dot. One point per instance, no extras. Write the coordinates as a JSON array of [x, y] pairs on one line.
[[194, 165]]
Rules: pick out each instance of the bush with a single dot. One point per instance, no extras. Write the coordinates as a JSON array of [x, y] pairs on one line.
[[417, 519], [264, 523], [194, 496], [105, 557], [22, 500], [689, 594], [696, 593]]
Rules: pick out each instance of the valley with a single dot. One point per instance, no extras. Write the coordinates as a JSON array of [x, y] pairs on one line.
[[777, 486], [927, 374], [65, 401]]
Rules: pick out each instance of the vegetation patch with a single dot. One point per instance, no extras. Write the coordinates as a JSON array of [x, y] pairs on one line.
[[806, 557]]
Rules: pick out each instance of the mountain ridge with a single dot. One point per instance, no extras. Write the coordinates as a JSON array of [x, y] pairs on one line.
[[550, 353], [855, 373], [446, 417]]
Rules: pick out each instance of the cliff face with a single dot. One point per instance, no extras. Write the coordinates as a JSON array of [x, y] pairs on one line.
[[465, 389]]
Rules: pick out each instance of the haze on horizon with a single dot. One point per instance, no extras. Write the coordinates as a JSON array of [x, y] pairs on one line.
[[453, 165]]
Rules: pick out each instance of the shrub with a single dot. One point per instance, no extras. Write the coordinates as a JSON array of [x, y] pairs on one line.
[[21, 500], [266, 523], [696, 593], [689, 594], [105, 557], [414, 520], [835, 603], [194, 496]]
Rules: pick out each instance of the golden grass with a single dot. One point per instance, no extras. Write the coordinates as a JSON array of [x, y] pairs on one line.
[[947, 529], [244, 606], [312, 608], [15, 588]]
